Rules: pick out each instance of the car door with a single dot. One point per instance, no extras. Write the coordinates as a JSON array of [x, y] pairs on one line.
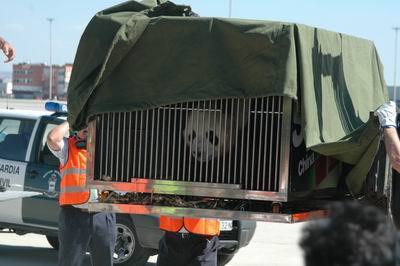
[[15, 134], [42, 174]]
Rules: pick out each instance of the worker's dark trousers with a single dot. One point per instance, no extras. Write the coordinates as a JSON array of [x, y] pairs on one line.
[[78, 230], [176, 249]]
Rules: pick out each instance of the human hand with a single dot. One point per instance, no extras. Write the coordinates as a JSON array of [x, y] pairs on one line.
[[8, 51], [387, 114]]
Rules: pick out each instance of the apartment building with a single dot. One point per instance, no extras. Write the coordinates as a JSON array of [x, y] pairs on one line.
[[32, 81]]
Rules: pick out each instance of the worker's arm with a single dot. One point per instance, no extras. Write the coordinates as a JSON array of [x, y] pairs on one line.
[[387, 118], [392, 144], [7, 49], [55, 138]]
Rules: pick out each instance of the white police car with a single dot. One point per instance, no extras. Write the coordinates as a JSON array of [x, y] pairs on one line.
[[30, 183], [26, 164]]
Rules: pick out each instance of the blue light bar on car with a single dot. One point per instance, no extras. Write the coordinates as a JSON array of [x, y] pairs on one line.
[[56, 107]]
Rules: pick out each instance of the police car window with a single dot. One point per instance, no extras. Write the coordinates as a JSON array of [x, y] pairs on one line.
[[9, 126], [14, 137]]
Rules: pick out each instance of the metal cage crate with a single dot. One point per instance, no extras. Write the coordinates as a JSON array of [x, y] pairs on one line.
[[226, 150]]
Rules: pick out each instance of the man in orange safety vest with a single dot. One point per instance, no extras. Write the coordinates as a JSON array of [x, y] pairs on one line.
[[79, 229], [188, 241]]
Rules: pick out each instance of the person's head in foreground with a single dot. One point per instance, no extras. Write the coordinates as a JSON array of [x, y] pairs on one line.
[[353, 235]]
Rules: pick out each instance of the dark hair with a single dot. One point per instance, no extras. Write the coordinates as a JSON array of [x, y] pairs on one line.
[[353, 235]]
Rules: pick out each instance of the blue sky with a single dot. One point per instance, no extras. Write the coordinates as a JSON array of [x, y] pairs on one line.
[[23, 23]]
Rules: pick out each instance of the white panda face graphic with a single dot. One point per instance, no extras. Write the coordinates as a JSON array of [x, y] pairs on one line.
[[207, 135]]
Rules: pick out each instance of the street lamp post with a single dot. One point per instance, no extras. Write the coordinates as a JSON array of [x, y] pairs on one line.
[[50, 20], [396, 29]]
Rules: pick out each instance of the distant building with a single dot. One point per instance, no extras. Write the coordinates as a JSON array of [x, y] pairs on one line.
[[31, 81], [64, 75], [28, 80], [3, 88]]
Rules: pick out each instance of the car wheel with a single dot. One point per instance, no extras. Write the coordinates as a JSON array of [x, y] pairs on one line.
[[53, 241], [127, 248], [223, 259]]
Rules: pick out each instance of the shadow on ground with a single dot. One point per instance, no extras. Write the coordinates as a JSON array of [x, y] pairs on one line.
[[33, 256]]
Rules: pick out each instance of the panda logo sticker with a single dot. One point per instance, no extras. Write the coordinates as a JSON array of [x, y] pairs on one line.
[[51, 177], [297, 134]]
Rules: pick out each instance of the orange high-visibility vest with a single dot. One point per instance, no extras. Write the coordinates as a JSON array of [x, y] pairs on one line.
[[200, 226], [73, 176]]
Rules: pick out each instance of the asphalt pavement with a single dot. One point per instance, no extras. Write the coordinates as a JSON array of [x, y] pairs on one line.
[[273, 244], [22, 104]]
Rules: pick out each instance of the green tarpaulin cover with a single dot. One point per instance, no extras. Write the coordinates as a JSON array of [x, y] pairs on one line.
[[137, 56]]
